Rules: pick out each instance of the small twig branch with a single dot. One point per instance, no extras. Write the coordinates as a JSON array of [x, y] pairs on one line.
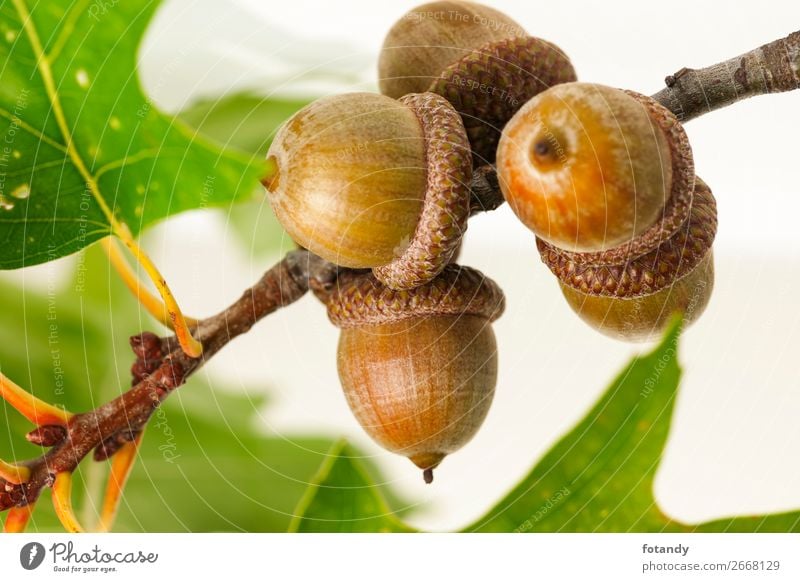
[[125, 416], [771, 68], [485, 190]]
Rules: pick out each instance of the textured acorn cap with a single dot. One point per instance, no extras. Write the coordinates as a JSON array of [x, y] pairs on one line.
[[360, 299], [634, 276], [433, 36], [634, 300], [489, 85], [445, 212]]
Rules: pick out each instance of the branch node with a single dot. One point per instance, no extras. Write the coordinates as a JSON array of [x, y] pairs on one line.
[[146, 346], [485, 193], [48, 435], [109, 447]]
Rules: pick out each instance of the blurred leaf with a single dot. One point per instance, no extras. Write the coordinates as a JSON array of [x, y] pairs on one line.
[[205, 467], [254, 225], [243, 120], [247, 122], [82, 142], [598, 478], [68, 346], [206, 464], [342, 498]]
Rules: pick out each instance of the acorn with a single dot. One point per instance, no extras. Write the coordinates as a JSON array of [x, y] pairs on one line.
[[633, 299], [478, 58], [418, 367], [605, 179], [367, 181]]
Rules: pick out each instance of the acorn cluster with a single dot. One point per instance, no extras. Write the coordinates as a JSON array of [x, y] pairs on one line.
[[379, 183]]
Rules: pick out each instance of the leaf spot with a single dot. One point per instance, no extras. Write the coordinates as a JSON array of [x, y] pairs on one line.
[[140, 189], [138, 210], [82, 77], [11, 36], [17, 154], [21, 192], [5, 203], [114, 123]]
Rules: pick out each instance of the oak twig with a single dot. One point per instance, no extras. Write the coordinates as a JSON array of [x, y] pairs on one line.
[[771, 68], [123, 418], [485, 190]]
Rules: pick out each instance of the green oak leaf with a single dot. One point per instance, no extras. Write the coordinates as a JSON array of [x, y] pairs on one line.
[[597, 478], [342, 498], [245, 121], [83, 150], [207, 466]]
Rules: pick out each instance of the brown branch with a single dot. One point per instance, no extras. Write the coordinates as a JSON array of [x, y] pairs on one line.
[[485, 190], [771, 68], [155, 377]]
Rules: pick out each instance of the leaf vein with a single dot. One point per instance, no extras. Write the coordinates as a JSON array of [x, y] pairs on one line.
[[70, 20], [132, 159], [32, 130]]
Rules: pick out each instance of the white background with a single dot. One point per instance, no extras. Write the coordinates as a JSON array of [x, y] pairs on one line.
[[736, 436]]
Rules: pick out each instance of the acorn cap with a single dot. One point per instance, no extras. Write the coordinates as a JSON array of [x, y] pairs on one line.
[[489, 85], [446, 204], [361, 299], [626, 277]]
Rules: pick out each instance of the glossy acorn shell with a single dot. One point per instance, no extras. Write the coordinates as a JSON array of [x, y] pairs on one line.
[[350, 178], [433, 36], [420, 387], [587, 167]]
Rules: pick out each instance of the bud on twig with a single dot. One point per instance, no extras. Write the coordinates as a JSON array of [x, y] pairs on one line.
[[48, 435]]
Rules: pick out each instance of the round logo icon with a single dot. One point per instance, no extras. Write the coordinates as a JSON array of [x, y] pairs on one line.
[[31, 555]]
